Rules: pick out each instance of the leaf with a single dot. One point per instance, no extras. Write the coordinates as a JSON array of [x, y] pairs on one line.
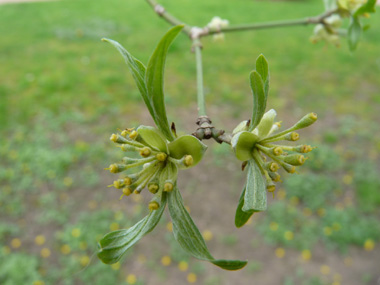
[[138, 72], [154, 80], [243, 144], [263, 69], [189, 237], [242, 217], [115, 244], [354, 33], [187, 145], [368, 7], [259, 99], [255, 197], [153, 137]]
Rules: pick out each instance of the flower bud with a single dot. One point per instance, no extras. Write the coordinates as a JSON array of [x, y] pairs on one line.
[[153, 205], [277, 151], [288, 168], [275, 176], [161, 156], [127, 180], [153, 187], [145, 152], [116, 168], [168, 186], [124, 133], [127, 191], [293, 136], [133, 135], [188, 160], [271, 166], [306, 121], [294, 159], [118, 139]]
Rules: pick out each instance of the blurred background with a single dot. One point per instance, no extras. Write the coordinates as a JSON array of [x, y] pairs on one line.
[[63, 93]]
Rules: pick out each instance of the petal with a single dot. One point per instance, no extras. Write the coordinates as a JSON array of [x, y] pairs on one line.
[[243, 144], [153, 138], [187, 145]]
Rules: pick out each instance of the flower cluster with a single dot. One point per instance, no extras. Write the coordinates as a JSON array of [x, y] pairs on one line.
[[156, 167], [328, 31], [348, 7], [216, 24], [259, 148]]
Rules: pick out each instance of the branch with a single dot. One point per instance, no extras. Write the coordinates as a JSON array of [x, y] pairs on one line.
[[195, 33], [160, 11]]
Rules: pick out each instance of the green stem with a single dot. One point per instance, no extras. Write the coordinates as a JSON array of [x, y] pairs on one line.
[[201, 97]]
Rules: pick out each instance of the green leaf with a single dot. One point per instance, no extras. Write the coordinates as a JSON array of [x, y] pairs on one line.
[[354, 33], [189, 237], [187, 145], [243, 144], [255, 197], [259, 98], [242, 217], [138, 72], [153, 137], [263, 69], [368, 7], [115, 244], [154, 80]]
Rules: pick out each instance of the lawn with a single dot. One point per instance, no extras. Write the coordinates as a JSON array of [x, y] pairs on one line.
[[63, 92]]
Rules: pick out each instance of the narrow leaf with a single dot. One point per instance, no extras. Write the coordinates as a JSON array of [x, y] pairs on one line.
[[138, 72], [262, 67], [242, 217], [259, 99], [189, 237], [368, 7], [255, 197], [115, 244], [354, 33], [154, 80]]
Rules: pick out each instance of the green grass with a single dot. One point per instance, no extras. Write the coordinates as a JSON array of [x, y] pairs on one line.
[[63, 92]]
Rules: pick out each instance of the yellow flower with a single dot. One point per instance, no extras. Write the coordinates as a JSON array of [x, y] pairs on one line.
[[191, 278], [16, 243], [84, 260], [273, 226], [67, 181], [280, 252], [327, 231], [288, 235], [207, 235], [40, 240], [325, 269], [183, 266], [131, 279], [45, 252], [114, 226], [65, 249], [75, 232], [166, 260], [306, 254], [369, 245]]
